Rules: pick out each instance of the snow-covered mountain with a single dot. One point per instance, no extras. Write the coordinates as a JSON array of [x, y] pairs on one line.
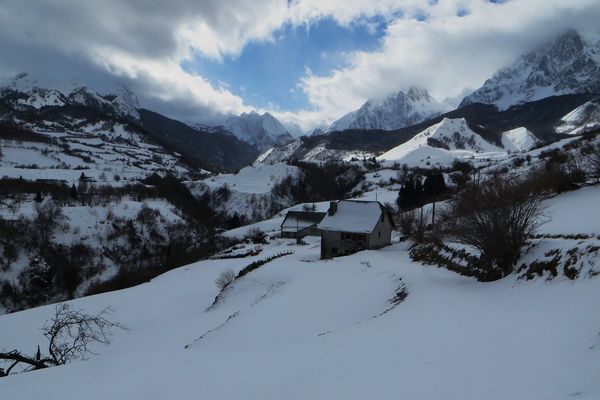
[[567, 65], [393, 112], [25, 91], [261, 130]]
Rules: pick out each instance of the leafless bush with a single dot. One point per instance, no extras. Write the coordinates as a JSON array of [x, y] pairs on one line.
[[256, 236], [407, 222], [48, 215], [591, 157], [496, 217], [70, 333], [225, 278]]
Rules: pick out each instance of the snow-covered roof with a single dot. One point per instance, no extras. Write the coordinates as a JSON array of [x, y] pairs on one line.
[[298, 220], [353, 216]]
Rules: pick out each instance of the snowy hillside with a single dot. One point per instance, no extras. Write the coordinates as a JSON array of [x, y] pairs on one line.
[[249, 192], [583, 118], [567, 65], [518, 139], [445, 142], [104, 151], [320, 153], [371, 325], [393, 112], [263, 131]]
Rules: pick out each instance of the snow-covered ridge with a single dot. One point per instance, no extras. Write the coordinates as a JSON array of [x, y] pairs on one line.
[[261, 130], [393, 112], [584, 117], [443, 138], [24, 90], [451, 139], [567, 65]]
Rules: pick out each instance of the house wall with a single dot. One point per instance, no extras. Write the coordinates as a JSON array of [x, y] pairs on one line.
[[333, 243], [382, 234], [329, 240]]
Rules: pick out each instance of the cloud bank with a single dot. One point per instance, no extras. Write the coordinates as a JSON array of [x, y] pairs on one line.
[[445, 46]]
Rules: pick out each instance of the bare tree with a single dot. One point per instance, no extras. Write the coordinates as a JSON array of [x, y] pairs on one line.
[[48, 216], [70, 333], [225, 278], [496, 217], [591, 155]]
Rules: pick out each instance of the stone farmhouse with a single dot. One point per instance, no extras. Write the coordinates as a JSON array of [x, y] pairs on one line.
[[350, 226]]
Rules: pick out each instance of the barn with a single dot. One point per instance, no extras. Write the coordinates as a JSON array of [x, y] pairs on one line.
[[298, 224]]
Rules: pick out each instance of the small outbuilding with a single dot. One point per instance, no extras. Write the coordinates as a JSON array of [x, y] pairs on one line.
[[298, 224], [351, 225]]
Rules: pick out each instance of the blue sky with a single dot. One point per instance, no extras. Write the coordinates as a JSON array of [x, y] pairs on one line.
[[266, 73]]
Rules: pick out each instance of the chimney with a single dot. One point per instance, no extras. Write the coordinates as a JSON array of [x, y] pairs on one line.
[[332, 207]]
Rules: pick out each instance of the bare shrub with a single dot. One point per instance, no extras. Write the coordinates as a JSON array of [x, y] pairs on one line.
[[70, 333], [407, 222], [225, 278], [496, 217], [591, 157], [256, 236]]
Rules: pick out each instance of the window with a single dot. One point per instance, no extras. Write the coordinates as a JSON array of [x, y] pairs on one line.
[[379, 234]]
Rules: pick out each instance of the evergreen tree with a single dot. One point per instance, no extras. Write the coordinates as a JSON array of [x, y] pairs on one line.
[[234, 222], [73, 192]]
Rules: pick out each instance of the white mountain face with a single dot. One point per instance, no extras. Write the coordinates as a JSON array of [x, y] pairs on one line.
[[567, 65], [25, 91], [393, 112], [126, 102], [263, 131]]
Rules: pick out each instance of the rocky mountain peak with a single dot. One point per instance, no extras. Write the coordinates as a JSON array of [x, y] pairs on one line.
[[262, 130], [25, 91], [395, 111], [568, 64]]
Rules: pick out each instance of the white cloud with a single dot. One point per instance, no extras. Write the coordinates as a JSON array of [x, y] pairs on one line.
[[446, 53], [144, 44]]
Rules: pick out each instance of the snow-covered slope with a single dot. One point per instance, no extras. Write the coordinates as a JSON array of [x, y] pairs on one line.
[[299, 328], [583, 118], [441, 144], [263, 131], [567, 65], [518, 139], [248, 193], [106, 151], [393, 112]]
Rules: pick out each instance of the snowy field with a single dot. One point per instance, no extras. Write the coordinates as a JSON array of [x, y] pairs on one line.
[[300, 328], [575, 212], [254, 179]]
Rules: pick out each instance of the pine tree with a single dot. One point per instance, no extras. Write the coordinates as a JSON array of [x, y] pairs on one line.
[[73, 192]]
